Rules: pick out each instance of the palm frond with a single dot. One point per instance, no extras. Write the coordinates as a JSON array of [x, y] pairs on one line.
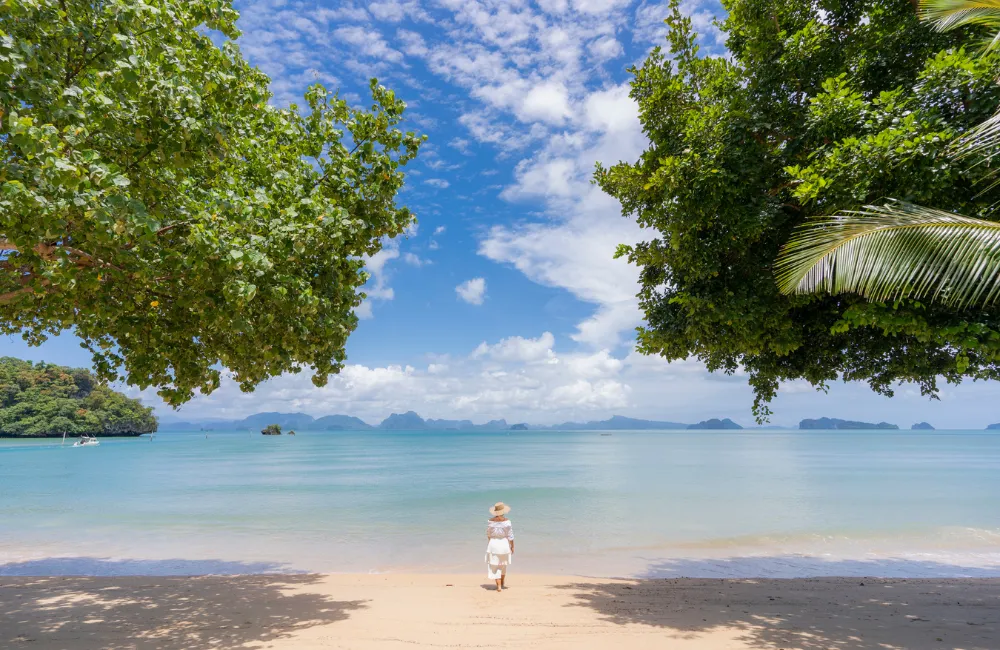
[[949, 14], [895, 251], [982, 142]]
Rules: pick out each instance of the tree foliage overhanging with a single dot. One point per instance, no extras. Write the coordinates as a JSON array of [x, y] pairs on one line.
[[48, 400], [153, 201], [823, 106]]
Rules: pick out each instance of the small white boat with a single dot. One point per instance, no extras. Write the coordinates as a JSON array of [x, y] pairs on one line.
[[86, 441]]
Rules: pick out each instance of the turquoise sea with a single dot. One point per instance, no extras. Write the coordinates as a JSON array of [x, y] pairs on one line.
[[665, 503]]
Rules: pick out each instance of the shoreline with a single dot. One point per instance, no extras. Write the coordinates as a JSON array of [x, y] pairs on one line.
[[387, 611], [58, 436], [43, 560]]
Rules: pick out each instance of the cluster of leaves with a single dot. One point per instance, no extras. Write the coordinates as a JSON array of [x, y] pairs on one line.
[[153, 201], [823, 106], [48, 400]]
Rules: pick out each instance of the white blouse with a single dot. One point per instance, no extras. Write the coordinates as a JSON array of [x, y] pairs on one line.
[[499, 530]]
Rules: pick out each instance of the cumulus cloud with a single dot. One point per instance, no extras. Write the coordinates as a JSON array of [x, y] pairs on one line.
[[414, 260], [517, 348], [605, 48], [377, 287], [369, 42], [574, 248], [472, 291], [460, 144], [527, 380], [518, 378], [397, 10], [439, 183]]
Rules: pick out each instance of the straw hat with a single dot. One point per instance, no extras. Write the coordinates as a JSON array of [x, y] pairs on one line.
[[499, 508]]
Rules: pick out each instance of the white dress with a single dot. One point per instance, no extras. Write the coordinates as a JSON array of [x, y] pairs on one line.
[[498, 553]]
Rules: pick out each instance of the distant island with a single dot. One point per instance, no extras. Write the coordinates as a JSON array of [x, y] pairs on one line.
[[834, 423], [716, 424], [44, 400], [615, 423], [412, 421]]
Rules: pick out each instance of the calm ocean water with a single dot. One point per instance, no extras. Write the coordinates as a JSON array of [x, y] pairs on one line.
[[752, 503]]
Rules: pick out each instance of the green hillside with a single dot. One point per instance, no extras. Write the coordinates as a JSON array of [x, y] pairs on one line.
[[44, 400]]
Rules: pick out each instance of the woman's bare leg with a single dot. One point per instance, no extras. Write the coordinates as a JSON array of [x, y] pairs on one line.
[[500, 584], [503, 577]]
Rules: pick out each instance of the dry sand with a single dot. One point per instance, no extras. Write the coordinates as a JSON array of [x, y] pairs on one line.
[[434, 611]]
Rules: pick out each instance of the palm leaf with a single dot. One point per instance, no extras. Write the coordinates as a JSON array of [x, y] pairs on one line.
[[895, 251], [949, 14]]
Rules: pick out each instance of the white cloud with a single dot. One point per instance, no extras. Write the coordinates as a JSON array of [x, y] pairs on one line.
[[574, 248], [369, 42], [414, 260], [439, 183], [377, 287], [347, 11], [413, 43], [599, 6], [460, 144], [542, 101], [606, 48], [521, 379], [526, 381], [439, 230], [520, 349], [547, 101], [397, 10], [554, 6], [472, 291], [611, 111]]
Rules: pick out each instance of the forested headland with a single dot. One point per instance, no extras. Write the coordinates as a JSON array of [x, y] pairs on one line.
[[42, 400]]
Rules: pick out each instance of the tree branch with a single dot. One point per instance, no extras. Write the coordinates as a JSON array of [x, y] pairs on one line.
[[86, 63], [323, 177], [170, 227], [13, 295], [159, 232]]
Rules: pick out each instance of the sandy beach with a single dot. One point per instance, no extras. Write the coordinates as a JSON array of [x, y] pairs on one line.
[[435, 611]]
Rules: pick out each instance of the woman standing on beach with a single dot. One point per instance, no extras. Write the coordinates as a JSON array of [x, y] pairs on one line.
[[500, 545]]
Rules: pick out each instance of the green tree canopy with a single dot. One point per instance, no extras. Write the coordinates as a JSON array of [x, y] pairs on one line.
[[154, 202], [48, 400], [823, 106]]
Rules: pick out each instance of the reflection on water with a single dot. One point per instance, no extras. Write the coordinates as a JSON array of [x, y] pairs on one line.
[[583, 503]]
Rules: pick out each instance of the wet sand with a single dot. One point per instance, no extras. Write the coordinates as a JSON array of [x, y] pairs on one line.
[[438, 611]]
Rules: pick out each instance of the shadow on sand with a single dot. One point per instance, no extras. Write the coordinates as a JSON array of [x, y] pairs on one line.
[[809, 613], [163, 612]]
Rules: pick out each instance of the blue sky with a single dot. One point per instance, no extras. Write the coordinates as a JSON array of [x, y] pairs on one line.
[[505, 301]]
